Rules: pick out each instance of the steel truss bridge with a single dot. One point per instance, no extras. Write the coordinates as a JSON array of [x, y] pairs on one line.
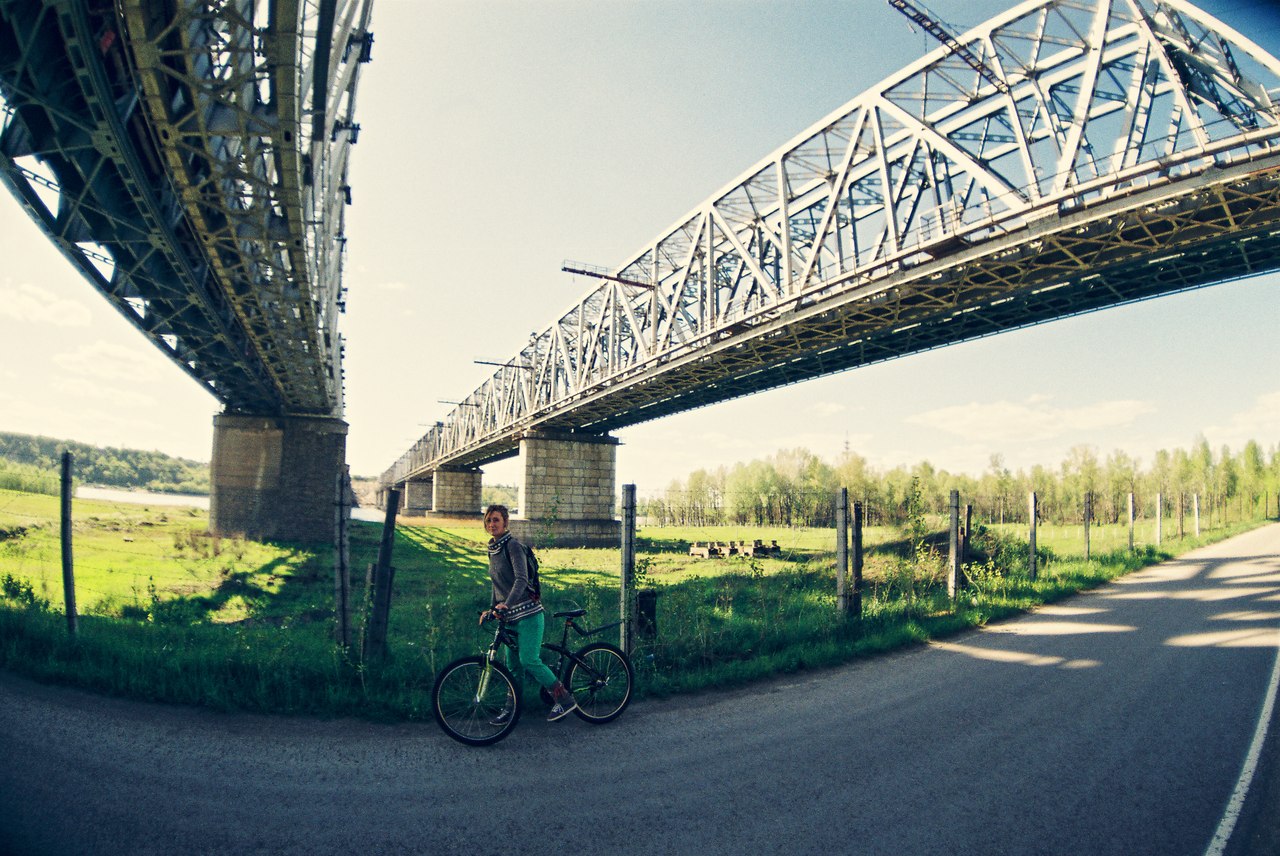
[[1066, 156], [189, 157]]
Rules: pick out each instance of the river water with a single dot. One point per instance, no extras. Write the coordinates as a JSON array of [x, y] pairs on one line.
[[145, 497], [141, 497]]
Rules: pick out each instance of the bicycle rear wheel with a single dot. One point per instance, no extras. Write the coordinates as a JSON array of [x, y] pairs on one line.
[[475, 701], [600, 678]]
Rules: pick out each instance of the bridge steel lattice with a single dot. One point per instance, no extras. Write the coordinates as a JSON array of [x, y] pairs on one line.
[[190, 159], [1099, 152]]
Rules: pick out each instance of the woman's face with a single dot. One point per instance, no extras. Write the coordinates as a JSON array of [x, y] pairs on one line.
[[494, 524]]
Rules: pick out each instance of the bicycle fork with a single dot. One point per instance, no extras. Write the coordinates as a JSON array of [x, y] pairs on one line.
[[483, 686]]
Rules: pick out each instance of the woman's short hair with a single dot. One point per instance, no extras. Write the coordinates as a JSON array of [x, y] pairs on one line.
[[500, 509]]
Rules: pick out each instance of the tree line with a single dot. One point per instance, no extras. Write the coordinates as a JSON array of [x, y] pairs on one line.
[[111, 467], [795, 487]]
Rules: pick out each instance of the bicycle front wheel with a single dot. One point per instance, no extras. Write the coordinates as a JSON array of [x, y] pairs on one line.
[[475, 701], [600, 678]]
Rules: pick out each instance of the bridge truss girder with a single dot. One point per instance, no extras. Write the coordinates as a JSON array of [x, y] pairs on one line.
[[940, 205], [190, 160]]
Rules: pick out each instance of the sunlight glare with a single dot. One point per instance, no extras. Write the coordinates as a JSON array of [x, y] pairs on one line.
[[1014, 657], [1246, 615], [1250, 638], [1205, 595], [1254, 570], [1169, 572], [1031, 627], [1054, 609], [1263, 578]]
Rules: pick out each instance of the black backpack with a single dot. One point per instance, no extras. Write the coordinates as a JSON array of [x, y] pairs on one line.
[[531, 561]]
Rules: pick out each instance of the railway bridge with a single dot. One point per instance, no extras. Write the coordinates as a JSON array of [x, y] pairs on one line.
[[189, 158], [1064, 157]]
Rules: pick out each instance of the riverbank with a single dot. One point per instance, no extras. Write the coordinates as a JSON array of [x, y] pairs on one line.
[[185, 500]]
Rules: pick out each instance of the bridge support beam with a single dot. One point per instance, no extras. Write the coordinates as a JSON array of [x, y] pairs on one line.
[[567, 494], [418, 496], [455, 493], [275, 478]]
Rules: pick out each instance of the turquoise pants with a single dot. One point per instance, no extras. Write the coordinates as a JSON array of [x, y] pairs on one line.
[[529, 644]]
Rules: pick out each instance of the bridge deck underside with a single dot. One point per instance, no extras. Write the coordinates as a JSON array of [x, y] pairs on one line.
[[1219, 230], [73, 111], [160, 147]]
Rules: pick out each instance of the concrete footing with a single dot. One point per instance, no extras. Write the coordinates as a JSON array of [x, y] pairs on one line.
[[567, 493], [275, 478]]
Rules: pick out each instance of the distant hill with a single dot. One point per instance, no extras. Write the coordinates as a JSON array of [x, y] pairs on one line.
[[111, 467]]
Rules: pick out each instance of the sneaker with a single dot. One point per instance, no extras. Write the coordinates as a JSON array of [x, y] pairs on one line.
[[564, 706], [502, 717]]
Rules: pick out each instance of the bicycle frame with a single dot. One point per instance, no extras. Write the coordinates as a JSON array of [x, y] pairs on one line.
[[563, 650]]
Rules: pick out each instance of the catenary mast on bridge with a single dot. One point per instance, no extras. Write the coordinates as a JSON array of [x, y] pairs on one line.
[[1063, 157]]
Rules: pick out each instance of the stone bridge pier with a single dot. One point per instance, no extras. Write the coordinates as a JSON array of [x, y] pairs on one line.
[[567, 491], [455, 492], [275, 478], [416, 496]]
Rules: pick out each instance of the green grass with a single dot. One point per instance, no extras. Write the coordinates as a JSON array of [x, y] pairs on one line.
[[1068, 540], [133, 558], [170, 614]]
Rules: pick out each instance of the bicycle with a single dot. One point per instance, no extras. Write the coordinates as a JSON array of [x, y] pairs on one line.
[[476, 700]]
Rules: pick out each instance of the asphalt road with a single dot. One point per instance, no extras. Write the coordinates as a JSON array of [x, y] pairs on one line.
[[1117, 722]]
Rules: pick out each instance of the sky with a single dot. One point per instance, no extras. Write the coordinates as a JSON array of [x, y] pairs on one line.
[[500, 138]]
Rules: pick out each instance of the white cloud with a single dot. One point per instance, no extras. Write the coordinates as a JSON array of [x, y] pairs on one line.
[[107, 361], [1260, 422], [393, 285], [827, 408], [82, 389], [31, 304], [1029, 421]]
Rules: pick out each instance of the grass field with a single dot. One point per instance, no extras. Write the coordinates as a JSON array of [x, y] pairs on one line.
[[131, 558], [171, 613]]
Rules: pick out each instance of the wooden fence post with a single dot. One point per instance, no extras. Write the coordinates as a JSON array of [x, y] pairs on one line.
[[1130, 521], [968, 530], [856, 607], [626, 598], [342, 560], [1159, 518], [1088, 513], [953, 556], [1031, 535], [380, 579], [68, 566], [842, 550]]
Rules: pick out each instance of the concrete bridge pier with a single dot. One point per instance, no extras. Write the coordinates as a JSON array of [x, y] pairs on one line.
[[275, 478], [455, 492], [417, 496], [567, 493]]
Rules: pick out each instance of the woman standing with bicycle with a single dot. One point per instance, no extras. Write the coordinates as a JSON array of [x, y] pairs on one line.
[[515, 602]]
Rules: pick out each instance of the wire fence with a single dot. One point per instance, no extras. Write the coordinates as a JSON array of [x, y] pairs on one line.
[[817, 508], [118, 573]]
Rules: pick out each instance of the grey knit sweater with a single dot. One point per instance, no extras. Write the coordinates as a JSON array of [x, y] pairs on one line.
[[509, 573]]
